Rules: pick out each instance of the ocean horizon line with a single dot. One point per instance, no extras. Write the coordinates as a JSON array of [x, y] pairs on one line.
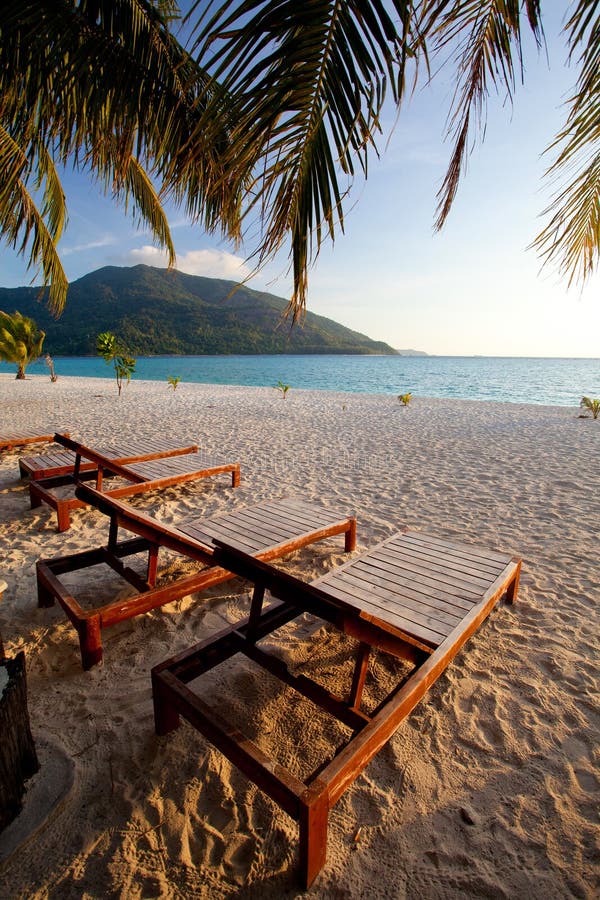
[[417, 355]]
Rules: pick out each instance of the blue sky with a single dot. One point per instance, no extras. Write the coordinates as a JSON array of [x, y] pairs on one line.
[[474, 288]]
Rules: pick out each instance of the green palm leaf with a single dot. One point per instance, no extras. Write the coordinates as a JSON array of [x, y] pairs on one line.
[[24, 226], [268, 126], [103, 85], [572, 236], [483, 38], [20, 340], [307, 82]]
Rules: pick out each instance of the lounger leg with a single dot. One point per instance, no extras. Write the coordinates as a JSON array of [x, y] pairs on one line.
[[235, 477], [166, 717], [360, 675], [313, 837], [34, 500], [511, 593], [152, 568], [63, 516], [90, 641], [350, 540], [45, 597]]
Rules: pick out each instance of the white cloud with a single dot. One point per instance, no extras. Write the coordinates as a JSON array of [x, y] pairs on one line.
[[210, 263], [91, 245]]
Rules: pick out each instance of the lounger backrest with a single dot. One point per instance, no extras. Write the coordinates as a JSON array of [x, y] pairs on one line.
[[307, 597], [102, 461], [141, 524]]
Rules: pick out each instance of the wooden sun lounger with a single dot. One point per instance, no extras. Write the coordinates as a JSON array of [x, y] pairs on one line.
[[268, 531], [414, 596], [52, 464], [135, 478], [11, 439]]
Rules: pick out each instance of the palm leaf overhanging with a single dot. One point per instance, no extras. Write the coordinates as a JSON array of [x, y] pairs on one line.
[[484, 39], [308, 81], [268, 119], [102, 85], [23, 225], [572, 235]]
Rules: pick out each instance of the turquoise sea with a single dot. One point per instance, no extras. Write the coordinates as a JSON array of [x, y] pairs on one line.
[[553, 382]]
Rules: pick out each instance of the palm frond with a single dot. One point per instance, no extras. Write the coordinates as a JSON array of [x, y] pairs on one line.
[[571, 238], [27, 228], [307, 82], [54, 210], [137, 184], [94, 83], [13, 164], [484, 40]]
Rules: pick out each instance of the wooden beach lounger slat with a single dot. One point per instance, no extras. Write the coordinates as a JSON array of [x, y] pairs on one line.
[[49, 465], [11, 439], [135, 478], [195, 541], [394, 599]]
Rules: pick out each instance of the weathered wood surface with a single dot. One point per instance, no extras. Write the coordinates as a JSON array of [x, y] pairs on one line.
[[415, 595], [11, 439], [49, 465], [268, 531], [422, 585], [18, 759], [133, 478]]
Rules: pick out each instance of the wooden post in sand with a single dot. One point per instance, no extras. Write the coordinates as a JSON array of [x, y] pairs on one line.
[[18, 759]]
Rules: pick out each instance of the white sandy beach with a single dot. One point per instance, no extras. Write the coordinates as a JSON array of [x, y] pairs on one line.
[[490, 789]]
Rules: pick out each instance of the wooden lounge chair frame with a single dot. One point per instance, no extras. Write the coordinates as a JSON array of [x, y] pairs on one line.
[[299, 524], [43, 491], [10, 440], [51, 465], [331, 598]]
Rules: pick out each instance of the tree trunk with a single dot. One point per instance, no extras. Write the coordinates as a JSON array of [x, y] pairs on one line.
[[18, 759], [21, 372]]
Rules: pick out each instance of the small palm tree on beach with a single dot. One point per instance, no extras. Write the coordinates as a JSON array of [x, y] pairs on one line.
[[284, 388], [20, 341], [109, 347], [592, 405]]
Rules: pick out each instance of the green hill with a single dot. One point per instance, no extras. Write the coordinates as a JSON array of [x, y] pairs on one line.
[[155, 311]]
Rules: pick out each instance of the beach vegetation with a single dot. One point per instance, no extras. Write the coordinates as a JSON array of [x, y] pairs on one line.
[[405, 398], [592, 406], [173, 381], [261, 126], [20, 341], [283, 388], [112, 351], [50, 364]]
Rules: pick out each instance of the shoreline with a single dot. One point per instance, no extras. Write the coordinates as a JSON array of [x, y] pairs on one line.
[[490, 787], [88, 381]]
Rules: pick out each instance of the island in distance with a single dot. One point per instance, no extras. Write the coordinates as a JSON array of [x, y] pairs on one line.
[[161, 312]]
